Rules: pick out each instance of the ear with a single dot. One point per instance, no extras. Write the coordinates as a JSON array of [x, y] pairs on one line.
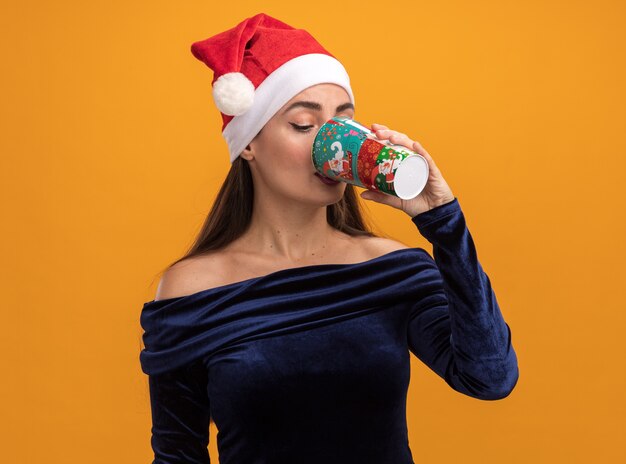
[[248, 153]]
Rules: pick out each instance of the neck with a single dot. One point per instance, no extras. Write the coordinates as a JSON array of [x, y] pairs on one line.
[[290, 232]]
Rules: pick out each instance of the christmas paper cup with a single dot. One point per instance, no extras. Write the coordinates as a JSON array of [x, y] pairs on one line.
[[346, 151]]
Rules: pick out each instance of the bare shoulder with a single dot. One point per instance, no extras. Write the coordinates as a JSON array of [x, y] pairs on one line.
[[222, 267], [191, 275], [378, 246]]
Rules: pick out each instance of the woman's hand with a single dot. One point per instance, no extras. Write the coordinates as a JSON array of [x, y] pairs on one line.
[[435, 193]]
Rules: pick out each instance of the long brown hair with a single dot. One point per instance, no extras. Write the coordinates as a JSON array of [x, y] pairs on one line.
[[225, 224]]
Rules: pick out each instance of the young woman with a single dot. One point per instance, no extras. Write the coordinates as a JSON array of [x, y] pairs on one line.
[[288, 323]]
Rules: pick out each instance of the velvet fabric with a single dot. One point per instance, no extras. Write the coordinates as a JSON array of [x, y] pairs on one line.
[[312, 365]]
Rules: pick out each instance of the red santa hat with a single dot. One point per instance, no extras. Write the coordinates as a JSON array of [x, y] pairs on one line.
[[258, 66]]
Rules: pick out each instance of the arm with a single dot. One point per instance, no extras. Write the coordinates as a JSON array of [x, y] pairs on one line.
[[457, 330], [180, 415]]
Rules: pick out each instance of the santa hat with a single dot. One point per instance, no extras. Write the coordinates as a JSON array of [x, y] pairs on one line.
[[258, 66]]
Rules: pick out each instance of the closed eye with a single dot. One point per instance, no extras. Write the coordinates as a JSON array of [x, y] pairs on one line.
[[301, 128]]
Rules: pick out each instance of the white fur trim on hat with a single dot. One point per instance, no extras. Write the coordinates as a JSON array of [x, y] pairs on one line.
[[287, 81], [233, 93]]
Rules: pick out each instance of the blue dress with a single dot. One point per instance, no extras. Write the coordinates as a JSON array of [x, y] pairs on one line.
[[311, 364]]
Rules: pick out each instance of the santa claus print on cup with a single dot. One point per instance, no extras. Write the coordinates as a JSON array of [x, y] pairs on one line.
[[346, 151]]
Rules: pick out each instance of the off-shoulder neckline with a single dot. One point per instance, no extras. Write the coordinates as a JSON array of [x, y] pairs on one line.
[[280, 271]]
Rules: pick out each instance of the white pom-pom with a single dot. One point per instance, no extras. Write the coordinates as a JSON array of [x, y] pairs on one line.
[[233, 93]]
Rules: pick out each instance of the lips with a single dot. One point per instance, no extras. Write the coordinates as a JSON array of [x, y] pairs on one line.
[[325, 179]]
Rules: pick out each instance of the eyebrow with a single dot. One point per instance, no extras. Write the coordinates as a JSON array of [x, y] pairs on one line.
[[316, 106]]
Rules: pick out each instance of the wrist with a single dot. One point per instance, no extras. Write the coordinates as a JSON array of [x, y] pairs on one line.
[[432, 206], [442, 202], [441, 207]]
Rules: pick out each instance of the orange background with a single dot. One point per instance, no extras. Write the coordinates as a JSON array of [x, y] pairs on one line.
[[112, 156]]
